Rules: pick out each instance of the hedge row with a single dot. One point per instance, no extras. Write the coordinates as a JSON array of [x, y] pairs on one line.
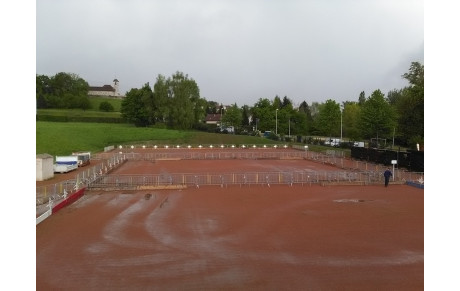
[[53, 118], [411, 160]]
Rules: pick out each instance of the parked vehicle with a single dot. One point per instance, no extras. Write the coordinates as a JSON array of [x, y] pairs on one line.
[[333, 142], [83, 158], [65, 164]]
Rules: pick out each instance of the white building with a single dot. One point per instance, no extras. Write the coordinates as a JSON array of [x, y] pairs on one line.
[[44, 167], [106, 90]]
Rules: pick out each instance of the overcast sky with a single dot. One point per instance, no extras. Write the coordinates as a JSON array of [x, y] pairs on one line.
[[236, 51]]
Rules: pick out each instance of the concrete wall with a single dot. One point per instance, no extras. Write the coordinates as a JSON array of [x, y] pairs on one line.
[[45, 169]]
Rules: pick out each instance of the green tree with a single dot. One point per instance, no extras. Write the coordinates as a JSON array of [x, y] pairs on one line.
[[183, 95], [362, 98], [277, 102], [305, 109], [246, 116], [377, 118], [287, 103], [175, 100], [410, 107], [351, 112], [84, 103], [43, 90], [297, 123], [394, 96], [314, 126], [63, 90], [160, 101], [282, 117], [133, 107], [264, 114], [329, 118], [71, 89], [416, 75], [212, 107], [290, 122], [233, 117], [200, 109]]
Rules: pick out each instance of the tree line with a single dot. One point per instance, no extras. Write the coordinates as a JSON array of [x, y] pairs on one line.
[[63, 90], [175, 102]]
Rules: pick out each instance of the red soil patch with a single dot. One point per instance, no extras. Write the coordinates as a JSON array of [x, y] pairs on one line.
[[234, 238], [220, 166], [257, 238]]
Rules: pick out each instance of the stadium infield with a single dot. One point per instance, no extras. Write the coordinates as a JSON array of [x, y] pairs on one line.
[[235, 238]]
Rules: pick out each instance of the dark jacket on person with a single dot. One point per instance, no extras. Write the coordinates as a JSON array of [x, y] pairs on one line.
[[387, 174]]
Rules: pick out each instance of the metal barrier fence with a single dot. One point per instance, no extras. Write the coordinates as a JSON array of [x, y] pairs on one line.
[[243, 179], [99, 176], [333, 159], [58, 191], [209, 155]]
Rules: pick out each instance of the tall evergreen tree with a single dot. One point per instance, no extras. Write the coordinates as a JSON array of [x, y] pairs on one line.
[[361, 98], [305, 109]]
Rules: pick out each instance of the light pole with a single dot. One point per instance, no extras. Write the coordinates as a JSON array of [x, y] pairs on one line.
[[394, 130], [289, 127], [341, 123], [276, 125], [220, 117]]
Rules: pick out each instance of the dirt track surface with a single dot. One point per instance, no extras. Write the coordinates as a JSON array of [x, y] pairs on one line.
[[237, 238], [220, 166]]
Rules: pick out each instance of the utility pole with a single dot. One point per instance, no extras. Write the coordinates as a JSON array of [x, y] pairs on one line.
[[276, 118]]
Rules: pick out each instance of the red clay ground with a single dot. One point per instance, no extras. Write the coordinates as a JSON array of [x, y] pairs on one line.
[[236, 238], [220, 166]]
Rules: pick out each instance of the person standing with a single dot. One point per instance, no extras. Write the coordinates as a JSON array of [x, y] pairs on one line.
[[387, 174]]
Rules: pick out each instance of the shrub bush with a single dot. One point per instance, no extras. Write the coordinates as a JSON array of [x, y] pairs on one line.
[[106, 106]]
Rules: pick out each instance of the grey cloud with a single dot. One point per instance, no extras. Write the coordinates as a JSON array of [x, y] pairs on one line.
[[237, 51]]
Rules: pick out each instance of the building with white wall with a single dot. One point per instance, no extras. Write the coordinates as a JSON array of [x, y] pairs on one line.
[[106, 90], [45, 169]]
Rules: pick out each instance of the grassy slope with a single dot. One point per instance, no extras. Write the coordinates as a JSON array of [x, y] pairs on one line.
[[96, 101], [63, 138]]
